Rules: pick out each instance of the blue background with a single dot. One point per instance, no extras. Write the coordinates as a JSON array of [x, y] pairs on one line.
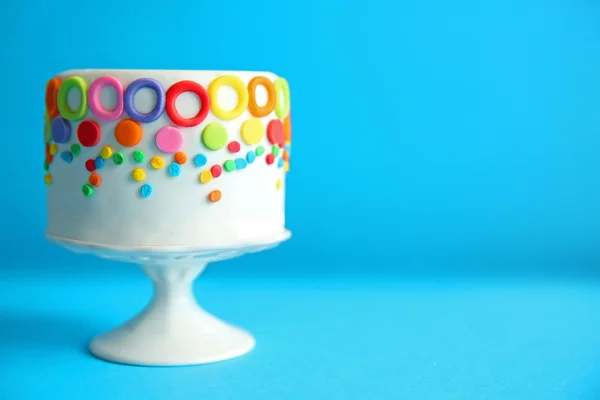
[[443, 195]]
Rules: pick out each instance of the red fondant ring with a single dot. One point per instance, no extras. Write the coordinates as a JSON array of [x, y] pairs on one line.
[[176, 90]]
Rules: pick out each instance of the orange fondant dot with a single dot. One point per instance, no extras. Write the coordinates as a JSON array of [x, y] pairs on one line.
[[52, 96], [49, 158], [95, 180], [287, 129], [214, 196], [180, 157], [128, 132], [285, 155]]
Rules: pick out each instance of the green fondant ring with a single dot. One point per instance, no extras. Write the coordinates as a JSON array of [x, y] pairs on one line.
[[74, 82], [282, 108]]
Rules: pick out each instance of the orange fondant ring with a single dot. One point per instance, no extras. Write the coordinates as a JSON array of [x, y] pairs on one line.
[[253, 106], [51, 97]]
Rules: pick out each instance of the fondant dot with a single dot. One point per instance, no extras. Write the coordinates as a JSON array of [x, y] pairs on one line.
[[240, 163], [75, 149], [47, 133], [90, 165], [47, 149], [67, 156], [48, 179], [106, 152], [285, 155], [157, 162], [206, 176], [229, 165], [53, 149], [288, 148], [180, 157], [138, 174], [286, 166], [260, 150], [216, 170], [200, 160], [60, 130], [46, 166], [49, 158], [88, 133], [275, 150], [214, 196], [287, 129], [95, 180], [250, 157], [169, 139], [138, 156], [174, 169], [279, 184], [270, 158], [99, 162], [234, 146], [128, 132], [275, 133], [118, 158], [214, 136], [146, 190], [252, 131], [87, 190], [280, 163]]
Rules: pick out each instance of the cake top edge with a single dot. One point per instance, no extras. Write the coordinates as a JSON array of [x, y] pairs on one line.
[[152, 72]]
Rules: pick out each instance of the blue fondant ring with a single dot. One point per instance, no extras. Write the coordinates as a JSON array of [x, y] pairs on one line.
[[129, 100]]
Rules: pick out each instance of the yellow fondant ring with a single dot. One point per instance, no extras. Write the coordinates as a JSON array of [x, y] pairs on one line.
[[242, 92], [282, 109]]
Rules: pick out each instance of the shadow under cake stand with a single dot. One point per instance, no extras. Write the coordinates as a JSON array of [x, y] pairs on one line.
[[173, 329]]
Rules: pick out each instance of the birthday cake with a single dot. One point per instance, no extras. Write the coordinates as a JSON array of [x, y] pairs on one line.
[[166, 158]]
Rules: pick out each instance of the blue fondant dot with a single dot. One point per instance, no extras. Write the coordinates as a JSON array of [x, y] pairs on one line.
[[67, 156], [250, 157], [60, 130], [200, 160], [280, 163], [174, 169], [240, 163], [288, 148], [146, 190], [99, 162]]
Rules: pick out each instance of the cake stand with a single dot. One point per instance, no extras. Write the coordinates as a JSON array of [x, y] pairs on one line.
[[173, 329]]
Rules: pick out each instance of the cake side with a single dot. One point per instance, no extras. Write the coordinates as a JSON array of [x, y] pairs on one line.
[[166, 158]]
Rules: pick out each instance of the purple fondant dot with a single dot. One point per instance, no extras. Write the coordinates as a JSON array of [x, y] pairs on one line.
[[60, 130]]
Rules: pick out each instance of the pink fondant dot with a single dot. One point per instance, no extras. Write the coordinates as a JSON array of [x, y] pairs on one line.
[[169, 139]]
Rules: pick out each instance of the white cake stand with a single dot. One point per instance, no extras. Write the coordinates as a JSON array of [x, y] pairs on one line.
[[173, 329]]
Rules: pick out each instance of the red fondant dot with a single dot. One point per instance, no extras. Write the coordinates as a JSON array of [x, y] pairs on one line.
[[216, 171], [270, 158], [90, 165], [234, 146], [275, 133], [88, 133], [49, 158]]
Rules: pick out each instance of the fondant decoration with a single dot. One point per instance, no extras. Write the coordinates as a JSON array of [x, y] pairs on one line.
[[250, 157], [242, 93], [52, 88], [46, 166], [95, 180], [99, 162], [280, 163], [275, 150], [138, 156], [214, 196], [88, 133], [255, 109], [260, 150], [157, 162], [94, 98], [229, 165], [285, 155], [240, 163], [216, 171], [146, 190], [87, 190], [275, 133], [53, 149], [206, 176], [234, 146], [282, 108], [118, 158], [287, 129], [49, 158], [75, 149], [200, 160], [187, 86], [138, 174], [79, 84], [47, 149], [67, 156], [253, 131], [47, 133], [279, 184], [180, 157], [214, 136], [48, 179], [60, 130], [169, 139], [129, 100], [270, 158], [174, 169], [106, 152], [286, 166], [90, 165], [128, 132]]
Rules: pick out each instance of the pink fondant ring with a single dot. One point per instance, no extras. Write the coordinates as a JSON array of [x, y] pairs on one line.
[[94, 98]]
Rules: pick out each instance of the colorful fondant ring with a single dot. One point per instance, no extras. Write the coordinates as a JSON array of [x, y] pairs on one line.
[[242, 92], [94, 98], [52, 88], [282, 109], [187, 86], [253, 106], [129, 100], [78, 83]]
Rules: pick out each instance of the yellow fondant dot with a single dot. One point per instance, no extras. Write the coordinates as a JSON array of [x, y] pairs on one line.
[[106, 152], [206, 176], [53, 149], [157, 162], [252, 131], [48, 179], [279, 184], [138, 174], [286, 166]]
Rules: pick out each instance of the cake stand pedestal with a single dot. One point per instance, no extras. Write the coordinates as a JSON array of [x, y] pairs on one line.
[[173, 329]]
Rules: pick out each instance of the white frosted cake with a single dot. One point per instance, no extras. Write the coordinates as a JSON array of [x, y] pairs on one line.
[[166, 158]]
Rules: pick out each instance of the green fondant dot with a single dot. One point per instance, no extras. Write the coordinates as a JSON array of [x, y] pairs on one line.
[[275, 150], [229, 165], [260, 150], [118, 158], [138, 156], [87, 190], [46, 166], [47, 134], [75, 149], [214, 136]]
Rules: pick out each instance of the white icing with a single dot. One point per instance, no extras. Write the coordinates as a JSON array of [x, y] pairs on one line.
[[178, 213]]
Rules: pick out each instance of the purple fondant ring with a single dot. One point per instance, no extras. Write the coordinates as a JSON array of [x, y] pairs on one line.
[[94, 98], [129, 100]]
